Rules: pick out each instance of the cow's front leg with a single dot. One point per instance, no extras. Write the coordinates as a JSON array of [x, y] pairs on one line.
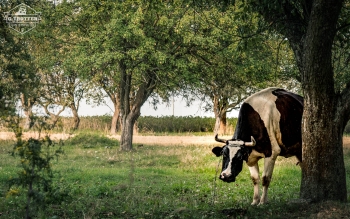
[[254, 174], [269, 164]]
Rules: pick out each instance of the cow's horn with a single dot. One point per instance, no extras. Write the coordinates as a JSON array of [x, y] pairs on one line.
[[219, 140], [252, 143]]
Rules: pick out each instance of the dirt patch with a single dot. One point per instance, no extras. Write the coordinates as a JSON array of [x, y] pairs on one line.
[[174, 140], [27, 135], [137, 139], [147, 140]]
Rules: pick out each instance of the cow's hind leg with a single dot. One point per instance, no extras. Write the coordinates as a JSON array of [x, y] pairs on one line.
[[254, 173]]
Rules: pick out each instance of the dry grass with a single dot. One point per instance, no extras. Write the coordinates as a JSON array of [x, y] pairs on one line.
[[147, 140], [27, 135], [173, 140]]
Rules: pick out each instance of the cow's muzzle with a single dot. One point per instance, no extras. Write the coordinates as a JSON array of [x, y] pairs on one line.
[[227, 177]]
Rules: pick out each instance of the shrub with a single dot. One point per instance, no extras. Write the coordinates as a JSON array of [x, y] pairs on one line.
[[36, 175], [91, 140]]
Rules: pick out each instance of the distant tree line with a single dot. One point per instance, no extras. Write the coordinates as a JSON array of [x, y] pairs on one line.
[[144, 125]]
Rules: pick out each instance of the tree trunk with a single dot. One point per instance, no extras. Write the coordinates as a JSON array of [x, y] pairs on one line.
[[220, 107], [131, 114], [128, 123], [27, 104], [130, 104], [75, 117], [53, 117], [323, 170], [28, 123], [127, 133], [220, 123], [217, 125], [136, 128], [115, 119], [114, 123], [223, 123]]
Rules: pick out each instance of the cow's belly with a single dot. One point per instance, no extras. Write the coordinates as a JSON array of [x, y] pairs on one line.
[[293, 150]]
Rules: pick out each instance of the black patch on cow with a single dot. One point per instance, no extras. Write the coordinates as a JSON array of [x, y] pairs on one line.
[[255, 181], [290, 106], [250, 124], [266, 181]]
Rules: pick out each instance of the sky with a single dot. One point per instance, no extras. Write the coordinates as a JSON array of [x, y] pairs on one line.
[[178, 109]]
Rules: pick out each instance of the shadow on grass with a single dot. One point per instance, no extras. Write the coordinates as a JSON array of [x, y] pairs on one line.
[[327, 209]]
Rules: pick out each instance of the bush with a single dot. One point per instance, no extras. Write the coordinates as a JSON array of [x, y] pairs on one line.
[[36, 175], [179, 124], [91, 140]]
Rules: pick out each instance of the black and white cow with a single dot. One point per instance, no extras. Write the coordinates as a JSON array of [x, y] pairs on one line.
[[269, 125]]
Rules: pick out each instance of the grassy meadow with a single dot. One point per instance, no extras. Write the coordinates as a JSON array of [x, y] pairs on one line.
[[95, 180]]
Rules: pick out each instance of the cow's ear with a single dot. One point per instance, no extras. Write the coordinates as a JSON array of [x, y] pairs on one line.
[[217, 151]]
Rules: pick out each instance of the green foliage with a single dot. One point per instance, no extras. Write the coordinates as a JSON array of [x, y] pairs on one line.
[[36, 175], [91, 140], [16, 71], [231, 55]]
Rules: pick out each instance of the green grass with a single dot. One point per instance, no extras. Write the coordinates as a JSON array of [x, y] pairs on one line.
[[99, 181]]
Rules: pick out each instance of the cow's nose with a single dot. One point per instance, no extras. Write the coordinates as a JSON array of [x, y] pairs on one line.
[[224, 175]]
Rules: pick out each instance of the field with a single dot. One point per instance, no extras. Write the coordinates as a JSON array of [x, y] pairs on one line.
[[164, 177]]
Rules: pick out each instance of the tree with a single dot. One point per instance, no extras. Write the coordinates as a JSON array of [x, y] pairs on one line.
[[133, 43], [315, 30], [17, 77], [231, 56], [50, 47]]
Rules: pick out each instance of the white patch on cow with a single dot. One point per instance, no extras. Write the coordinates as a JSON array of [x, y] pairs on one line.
[[232, 153], [263, 103], [235, 142]]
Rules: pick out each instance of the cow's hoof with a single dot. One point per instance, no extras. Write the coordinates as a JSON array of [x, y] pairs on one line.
[[262, 203], [254, 203]]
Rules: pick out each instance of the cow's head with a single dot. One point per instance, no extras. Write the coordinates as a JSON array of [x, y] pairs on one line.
[[233, 153]]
